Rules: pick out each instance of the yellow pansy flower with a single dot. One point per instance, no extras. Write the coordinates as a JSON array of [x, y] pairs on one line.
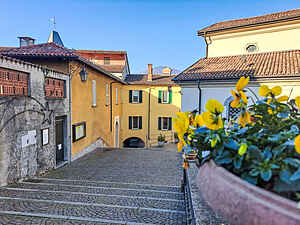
[[265, 91], [214, 107], [282, 98], [180, 146], [244, 119], [198, 121], [297, 144], [297, 101], [212, 121], [239, 94]]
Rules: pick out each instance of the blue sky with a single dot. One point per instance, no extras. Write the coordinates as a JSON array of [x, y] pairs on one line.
[[161, 32]]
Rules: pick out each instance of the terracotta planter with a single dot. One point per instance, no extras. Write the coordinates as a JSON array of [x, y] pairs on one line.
[[242, 203]]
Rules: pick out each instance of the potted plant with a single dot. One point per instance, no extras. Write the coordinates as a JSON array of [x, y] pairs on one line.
[[250, 168], [161, 140]]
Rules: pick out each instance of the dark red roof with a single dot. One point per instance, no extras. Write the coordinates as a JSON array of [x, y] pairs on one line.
[[143, 79], [41, 50], [281, 64], [257, 20]]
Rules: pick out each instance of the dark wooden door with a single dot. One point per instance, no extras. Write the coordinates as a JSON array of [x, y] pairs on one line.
[[59, 124]]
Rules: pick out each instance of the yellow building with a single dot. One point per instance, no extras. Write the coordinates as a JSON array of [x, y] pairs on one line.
[[150, 102], [265, 48]]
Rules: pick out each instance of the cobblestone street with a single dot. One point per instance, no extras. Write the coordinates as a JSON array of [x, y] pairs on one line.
[[126, 186]]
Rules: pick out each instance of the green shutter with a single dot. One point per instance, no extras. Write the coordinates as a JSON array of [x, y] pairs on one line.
[[130, 96], [170, 97], [170, 123], [159, 123], [159, 96], [130, 122], [140, 122], [140, 96]]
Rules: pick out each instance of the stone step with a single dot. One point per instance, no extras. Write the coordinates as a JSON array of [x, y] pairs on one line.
[[100, 190], [89, 212], [144, 202], [106, 184]]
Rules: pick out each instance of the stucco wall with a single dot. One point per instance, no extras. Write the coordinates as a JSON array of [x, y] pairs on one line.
[[284, 36]]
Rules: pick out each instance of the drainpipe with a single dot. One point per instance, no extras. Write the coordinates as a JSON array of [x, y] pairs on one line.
[[199, 107], [210, 41], [111, 104], [149, 104], [70, 115]]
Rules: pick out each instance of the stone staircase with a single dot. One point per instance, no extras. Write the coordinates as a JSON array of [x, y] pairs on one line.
[[58, 201]]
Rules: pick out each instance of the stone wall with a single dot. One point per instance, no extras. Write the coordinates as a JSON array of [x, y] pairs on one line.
[[21, 120]]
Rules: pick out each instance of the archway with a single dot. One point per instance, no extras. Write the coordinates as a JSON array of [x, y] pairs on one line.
[[133, 142]]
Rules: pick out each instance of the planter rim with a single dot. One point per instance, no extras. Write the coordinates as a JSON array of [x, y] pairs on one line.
[[264, 194]]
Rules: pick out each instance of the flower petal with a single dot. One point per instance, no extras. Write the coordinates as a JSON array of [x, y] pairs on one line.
[[264, 91], [297, 101], [283, 98], [243, 96], [276, 90], [242, 83], [213, 106], [297, 144]]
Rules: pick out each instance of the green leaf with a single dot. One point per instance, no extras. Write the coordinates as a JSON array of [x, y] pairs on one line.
[[231, 144], [274, 138], [281, 186], [278, 149], [285, 176], [296, 175], [223, 161], [292, 161], [237, 162], [243, 149], [249, 179], [254, 172], [266, 175]]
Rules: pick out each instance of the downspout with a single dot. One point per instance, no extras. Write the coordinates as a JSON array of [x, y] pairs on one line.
[[149, 104], [199, 107], [207, 44], [111, 104], [70, 115]]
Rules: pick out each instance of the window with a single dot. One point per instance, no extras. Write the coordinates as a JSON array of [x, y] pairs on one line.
[[116, 96], [107, 94], [94, 97], [135, 96], [122, 95], [251, 48], [135, 122], [106, 60], [165, 96], [164, 123]]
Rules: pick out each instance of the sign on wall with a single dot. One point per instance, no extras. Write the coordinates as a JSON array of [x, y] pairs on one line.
[[45, 136], [79, 131]]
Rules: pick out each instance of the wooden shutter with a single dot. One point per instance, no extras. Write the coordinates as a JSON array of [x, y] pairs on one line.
[[159, 96], [159, 123], [130, 96], [170, 123], [140, 96], [140, 122], [170, 97], [130, 122]]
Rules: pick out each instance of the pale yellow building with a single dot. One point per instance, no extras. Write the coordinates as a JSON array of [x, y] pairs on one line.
[[150, 103], [265, 48]]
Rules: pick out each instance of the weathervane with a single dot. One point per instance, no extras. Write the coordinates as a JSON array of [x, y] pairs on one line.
[[54, 22]]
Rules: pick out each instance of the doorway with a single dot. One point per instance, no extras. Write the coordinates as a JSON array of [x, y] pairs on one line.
[[60, 131]]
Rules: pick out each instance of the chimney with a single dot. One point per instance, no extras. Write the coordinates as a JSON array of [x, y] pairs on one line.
[[149, 72], [26, 41]]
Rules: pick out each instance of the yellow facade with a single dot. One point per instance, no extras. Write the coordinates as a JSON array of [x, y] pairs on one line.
[[267, 38], [97, 118], [150, 110]]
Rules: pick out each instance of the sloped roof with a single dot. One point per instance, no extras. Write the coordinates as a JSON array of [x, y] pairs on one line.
[[101, 51], [143, 79], [252, 21], [53, 50], [41, 50], [281, 64]]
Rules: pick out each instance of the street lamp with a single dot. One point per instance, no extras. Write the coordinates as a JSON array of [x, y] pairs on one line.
[[83, 75]]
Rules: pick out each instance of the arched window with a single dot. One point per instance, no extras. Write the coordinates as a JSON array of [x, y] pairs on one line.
[[251, 48]]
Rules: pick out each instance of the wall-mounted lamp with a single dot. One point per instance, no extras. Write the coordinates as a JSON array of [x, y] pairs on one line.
[[83, 75]]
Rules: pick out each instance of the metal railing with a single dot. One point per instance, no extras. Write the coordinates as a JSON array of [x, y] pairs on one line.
[[153, 139], [185, 188]]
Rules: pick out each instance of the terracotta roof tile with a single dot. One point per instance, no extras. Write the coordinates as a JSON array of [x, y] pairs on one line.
[[231, 24], [100, 51], [279, 64], [42, 50], [143, 79]]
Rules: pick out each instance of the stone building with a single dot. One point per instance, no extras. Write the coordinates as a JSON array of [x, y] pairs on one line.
[[34, 119]]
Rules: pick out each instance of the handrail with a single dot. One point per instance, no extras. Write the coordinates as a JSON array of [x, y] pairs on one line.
[[190, 216]]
